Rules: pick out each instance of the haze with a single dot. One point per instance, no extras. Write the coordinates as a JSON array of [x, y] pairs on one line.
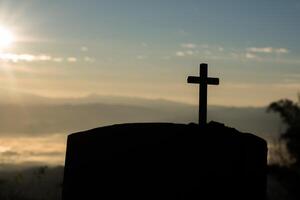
[[59, 58]]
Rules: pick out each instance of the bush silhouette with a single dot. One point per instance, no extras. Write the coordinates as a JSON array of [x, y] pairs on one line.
[[290, 114]]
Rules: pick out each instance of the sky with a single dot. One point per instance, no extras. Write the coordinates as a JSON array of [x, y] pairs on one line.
[[73, 48], [98, 49]]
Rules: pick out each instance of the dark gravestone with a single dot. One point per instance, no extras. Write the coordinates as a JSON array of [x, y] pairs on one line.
[[165, 161]]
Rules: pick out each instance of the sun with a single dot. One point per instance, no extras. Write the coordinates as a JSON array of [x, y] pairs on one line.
[[6, 38]]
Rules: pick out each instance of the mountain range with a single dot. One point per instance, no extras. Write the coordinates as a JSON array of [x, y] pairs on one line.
[[23, 113]]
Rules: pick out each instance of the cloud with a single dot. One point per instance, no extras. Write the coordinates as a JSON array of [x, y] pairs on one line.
[[141, 57], [190, 49], [251, 56], [218, 52], [3, 149], [89, 59], [72, 59], [84, 49], [268, 54], [16, 58], [10, 57], [189, 45], [44, 58], [10, 153], [45, 153], [180, 53], [260, 50], [281, 50], [267, 50], [57, 59]]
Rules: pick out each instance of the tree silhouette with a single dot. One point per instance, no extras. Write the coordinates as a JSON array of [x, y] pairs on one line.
[[290, 114]]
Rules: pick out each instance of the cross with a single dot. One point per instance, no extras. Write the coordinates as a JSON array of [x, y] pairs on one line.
[[203, 80]]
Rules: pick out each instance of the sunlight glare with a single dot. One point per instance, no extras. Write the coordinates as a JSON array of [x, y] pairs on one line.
[[6, 38]]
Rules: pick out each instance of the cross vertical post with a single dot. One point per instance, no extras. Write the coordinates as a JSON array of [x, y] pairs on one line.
[[203, 80], [203, 95]]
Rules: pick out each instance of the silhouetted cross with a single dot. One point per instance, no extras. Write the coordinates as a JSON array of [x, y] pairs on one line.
[[203, 80]]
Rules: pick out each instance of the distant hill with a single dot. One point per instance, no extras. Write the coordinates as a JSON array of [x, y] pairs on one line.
[[34, 115]]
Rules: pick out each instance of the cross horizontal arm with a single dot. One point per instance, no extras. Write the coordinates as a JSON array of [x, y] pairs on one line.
[[193, 79], [212, 81], [197, 80]]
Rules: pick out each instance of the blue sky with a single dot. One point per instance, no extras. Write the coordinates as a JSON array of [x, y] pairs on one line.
[[147, 48], [236, 22]]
